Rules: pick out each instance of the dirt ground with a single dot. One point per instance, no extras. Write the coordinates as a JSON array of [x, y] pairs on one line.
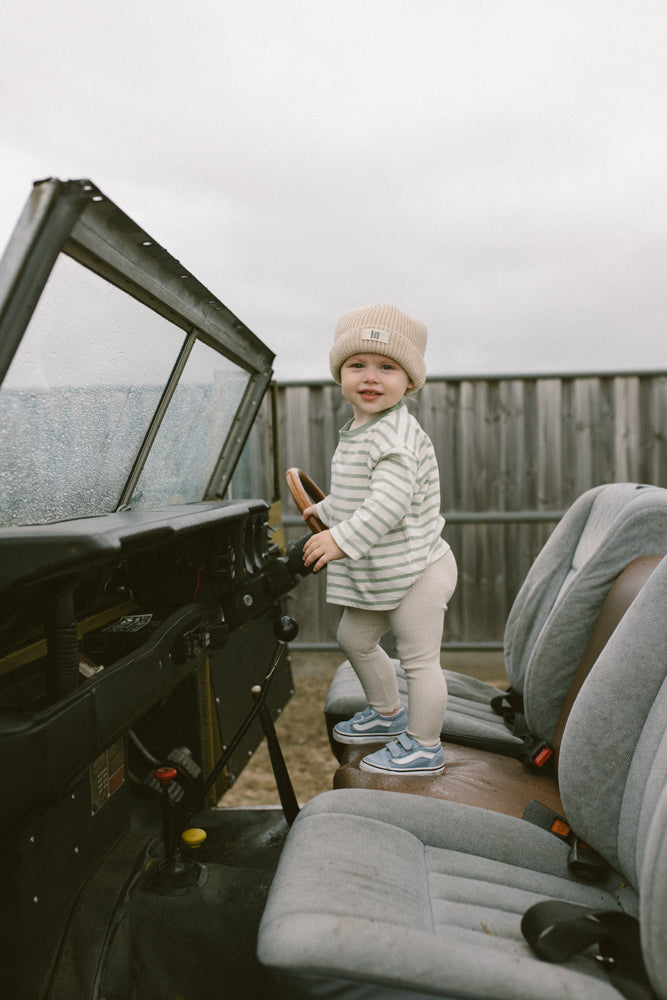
[[302, 732]]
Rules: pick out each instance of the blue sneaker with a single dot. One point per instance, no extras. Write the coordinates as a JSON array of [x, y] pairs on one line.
[[405, 755], [370, 727]]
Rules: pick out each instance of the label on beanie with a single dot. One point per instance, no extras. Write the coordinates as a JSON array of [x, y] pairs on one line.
[[371, 333]]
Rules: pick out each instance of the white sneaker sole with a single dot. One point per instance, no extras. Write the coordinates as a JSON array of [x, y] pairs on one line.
[[415, 772], [365, 737]]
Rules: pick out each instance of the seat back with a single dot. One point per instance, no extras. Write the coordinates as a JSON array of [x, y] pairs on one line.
[[613, 762], [613, 757], [559, 602]]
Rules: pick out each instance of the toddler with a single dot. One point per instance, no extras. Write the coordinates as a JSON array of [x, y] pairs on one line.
[[388, 565]]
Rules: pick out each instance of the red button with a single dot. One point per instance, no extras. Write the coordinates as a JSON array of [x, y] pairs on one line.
[[165, 774]]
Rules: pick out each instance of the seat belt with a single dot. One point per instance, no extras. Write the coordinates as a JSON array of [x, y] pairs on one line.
[[508, 704], [557, 931]]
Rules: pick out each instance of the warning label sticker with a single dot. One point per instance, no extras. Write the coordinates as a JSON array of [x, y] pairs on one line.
[[107, 774]]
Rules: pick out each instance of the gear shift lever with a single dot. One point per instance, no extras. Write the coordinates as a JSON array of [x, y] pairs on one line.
[[174, 875]]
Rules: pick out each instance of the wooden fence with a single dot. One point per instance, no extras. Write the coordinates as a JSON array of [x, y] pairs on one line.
[[513, 453]]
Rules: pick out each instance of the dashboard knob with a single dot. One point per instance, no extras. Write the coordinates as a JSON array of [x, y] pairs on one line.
[[286, 629]]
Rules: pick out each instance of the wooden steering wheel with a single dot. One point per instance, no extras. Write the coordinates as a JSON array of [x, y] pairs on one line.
[[305, 493]]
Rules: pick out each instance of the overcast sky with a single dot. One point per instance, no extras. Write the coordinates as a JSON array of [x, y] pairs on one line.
[[496, 167]]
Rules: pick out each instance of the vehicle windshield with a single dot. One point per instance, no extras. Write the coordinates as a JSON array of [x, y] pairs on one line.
[[107, 403], [80, 395]]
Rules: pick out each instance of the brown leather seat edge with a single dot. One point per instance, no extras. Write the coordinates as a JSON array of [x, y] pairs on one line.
[[474, 777], [491, 781]]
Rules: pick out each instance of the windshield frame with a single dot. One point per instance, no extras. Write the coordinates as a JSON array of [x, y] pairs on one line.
[[74, 218]]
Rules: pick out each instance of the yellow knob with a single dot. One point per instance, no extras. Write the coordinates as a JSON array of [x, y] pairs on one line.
[[193, 837]]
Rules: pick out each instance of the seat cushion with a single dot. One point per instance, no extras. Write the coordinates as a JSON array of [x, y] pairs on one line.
[[400, 893]]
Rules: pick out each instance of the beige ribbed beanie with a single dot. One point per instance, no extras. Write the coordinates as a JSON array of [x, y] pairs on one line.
[[381, 329]]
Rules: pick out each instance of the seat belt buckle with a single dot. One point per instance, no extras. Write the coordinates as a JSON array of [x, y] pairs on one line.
[[539, 756], [544, 817], [586, 863]]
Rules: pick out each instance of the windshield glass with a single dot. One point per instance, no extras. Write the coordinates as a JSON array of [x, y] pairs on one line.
[[81, 393], [198, 420]]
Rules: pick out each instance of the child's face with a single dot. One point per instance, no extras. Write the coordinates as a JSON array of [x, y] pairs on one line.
[[372, 383]]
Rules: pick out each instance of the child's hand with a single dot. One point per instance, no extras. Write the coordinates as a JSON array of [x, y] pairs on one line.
[[321, 549]]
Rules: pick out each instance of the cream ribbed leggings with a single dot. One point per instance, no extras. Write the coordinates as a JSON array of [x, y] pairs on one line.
[[417, 624]]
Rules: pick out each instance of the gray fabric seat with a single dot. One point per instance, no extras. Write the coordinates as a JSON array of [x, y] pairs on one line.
[[549, 623], [380, 894]]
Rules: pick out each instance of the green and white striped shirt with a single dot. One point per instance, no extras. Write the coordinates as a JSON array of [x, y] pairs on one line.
[[383, 511]]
